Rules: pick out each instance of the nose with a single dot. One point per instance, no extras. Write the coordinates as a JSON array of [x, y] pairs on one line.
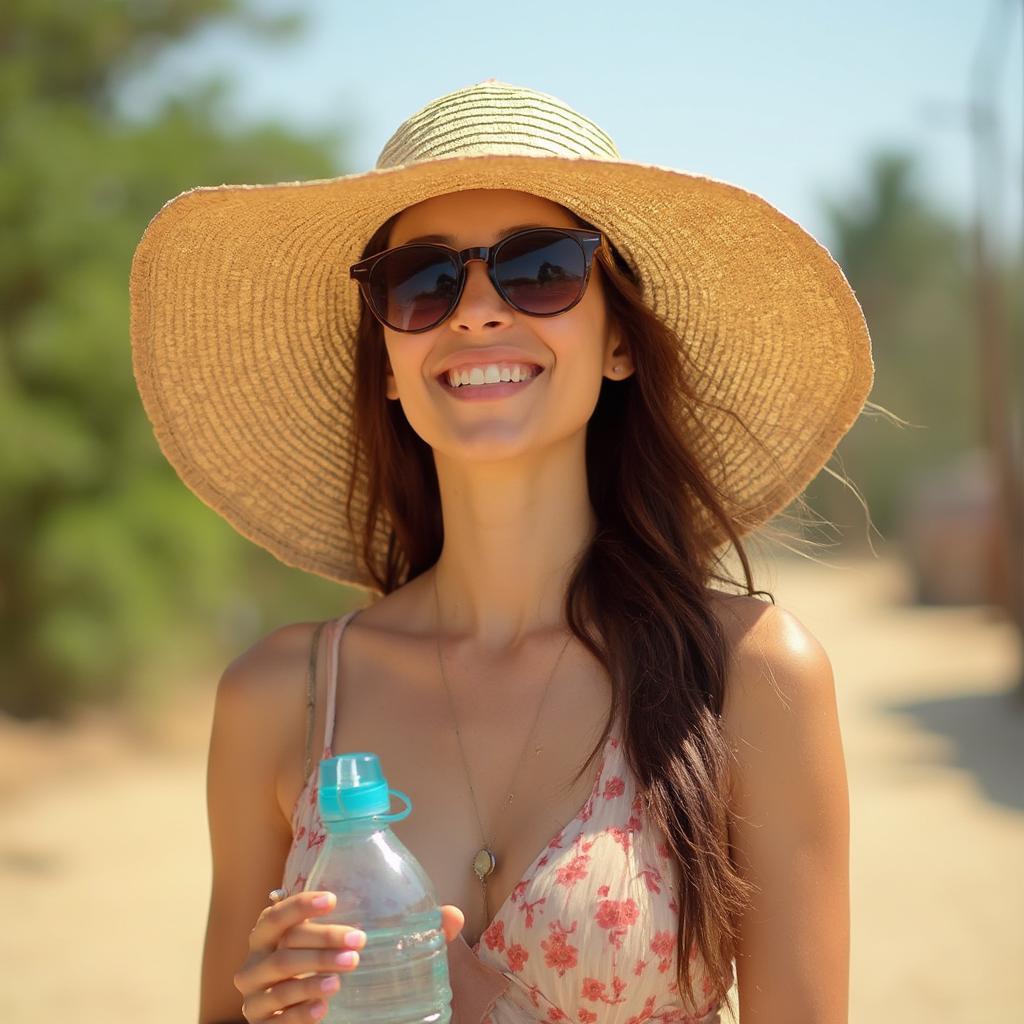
[[480, 306]]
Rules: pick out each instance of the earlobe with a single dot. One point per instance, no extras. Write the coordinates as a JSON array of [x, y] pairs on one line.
[[621, 366]]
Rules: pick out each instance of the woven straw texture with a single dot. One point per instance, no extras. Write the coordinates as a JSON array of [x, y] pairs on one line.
[[243, 317]]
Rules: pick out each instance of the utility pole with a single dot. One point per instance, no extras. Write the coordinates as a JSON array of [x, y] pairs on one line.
[[1001, 421]]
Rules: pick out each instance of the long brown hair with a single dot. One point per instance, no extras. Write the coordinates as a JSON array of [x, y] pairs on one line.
[[642, 582]]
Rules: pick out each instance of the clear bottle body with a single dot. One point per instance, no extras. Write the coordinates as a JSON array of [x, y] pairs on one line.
[[402, 977]]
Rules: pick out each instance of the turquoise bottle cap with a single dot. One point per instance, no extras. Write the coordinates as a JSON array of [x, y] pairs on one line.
[[352, 786]]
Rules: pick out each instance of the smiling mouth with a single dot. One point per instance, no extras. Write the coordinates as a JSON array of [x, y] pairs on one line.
[[443, 378]]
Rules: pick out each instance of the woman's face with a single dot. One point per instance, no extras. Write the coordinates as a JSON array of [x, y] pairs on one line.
[[573, 350]]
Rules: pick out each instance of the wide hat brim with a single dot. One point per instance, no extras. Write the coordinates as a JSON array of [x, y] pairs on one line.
[[243, 326]]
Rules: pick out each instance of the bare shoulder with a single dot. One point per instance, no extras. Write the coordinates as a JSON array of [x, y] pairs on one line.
[[256, 720], [262, 693], [779, 674], [789, 823], [768, 647], [271, 671]]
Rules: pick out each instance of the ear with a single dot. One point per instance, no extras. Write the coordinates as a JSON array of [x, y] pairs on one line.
[[618, 363]]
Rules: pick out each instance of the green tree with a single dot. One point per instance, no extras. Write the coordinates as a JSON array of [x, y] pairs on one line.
[[106, 560], [910, 264]]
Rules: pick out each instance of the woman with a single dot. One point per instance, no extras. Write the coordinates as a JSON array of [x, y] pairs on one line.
[[526, 394]]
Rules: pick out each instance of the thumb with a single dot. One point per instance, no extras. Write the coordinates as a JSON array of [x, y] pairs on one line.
[[452, 921]]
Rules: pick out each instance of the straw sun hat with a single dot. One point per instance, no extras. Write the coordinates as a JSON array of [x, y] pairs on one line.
[[243, 316]]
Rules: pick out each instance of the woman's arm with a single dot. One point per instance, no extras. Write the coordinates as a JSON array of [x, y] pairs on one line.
[[258, 716], [791, 834]]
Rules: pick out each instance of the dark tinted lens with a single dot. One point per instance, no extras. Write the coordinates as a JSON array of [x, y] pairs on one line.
[[541, 271], [414, 288]]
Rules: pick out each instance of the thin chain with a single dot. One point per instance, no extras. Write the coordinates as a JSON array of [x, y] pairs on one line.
[[465, 763]]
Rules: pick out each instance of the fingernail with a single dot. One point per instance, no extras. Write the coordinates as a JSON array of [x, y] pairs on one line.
[[346, 959], [330, 984], [323, 901], [318, 1009], [355, 938]]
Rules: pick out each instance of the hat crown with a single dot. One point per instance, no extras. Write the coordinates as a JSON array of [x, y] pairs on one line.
[[499, 118]]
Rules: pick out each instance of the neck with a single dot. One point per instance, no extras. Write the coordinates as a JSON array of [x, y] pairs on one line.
[[513, 531]]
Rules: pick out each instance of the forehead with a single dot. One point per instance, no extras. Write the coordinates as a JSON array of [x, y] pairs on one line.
[[477, 216]]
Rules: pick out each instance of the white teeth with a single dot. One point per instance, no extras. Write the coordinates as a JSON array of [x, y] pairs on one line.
[[490, 374]]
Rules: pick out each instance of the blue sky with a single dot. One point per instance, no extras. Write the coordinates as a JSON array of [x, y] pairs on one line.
[[787, 98]]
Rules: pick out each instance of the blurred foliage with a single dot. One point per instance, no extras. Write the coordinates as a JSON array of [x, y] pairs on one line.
[[107, 563], [911, 266]]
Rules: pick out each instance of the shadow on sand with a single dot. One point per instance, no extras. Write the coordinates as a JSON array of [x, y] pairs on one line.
[[985, 736]]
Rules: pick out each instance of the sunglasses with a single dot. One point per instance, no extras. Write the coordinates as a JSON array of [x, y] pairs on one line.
[[539, 271]]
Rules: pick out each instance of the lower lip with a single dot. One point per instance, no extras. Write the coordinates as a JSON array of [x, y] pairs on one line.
[[484, 392]]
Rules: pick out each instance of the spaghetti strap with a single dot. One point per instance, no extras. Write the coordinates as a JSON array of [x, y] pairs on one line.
[[332, 679]]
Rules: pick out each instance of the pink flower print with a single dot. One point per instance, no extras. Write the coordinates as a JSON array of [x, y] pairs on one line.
[[594, 990], [622, 836], [614, 787], [614, 742], [645, 1013], [636, 813], [663, 945], [513, 896], [300, 833], [555, 1015], [613, 913], [300, 884], [558, 953], [494, 935], [573, 872], [651, 877], [640, 966], [663, 851], [315, 838], [542, 861], [556, 842], [617, 916], [587, 811], [527, 909], [673, 905], [603, 890], [517, 956], [586, 1016]]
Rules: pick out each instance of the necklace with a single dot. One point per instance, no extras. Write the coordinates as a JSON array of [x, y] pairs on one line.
[[485, 861]]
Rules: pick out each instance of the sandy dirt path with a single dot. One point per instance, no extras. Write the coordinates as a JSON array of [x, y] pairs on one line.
[[104, 870]]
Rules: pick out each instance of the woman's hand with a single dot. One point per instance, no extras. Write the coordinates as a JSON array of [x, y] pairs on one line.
[[285, 944]]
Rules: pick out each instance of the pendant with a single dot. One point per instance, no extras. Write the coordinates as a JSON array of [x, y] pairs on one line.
[[484, 863]]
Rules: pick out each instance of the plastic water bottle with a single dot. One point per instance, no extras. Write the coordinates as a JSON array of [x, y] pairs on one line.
[[402, 976]]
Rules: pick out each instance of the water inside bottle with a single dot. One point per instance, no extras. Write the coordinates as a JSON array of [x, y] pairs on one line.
[[401, 970]]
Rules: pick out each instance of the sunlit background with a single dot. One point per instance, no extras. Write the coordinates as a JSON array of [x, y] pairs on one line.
[[892, 132]]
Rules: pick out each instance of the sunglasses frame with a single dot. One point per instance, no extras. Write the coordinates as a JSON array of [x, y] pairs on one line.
[[588, 239]]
